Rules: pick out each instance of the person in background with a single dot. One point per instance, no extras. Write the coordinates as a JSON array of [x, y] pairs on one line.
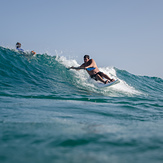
[[18, 47]]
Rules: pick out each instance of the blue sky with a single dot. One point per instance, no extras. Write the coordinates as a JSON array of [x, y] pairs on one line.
[[127, 34]]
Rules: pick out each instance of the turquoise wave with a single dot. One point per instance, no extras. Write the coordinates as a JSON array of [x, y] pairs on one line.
[[45, 76], [51, 114]]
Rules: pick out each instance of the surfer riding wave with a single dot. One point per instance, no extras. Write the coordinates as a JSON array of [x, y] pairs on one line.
[[91, 67]]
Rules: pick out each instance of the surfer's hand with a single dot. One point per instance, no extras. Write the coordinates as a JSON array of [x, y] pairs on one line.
[[71, 67], [33, 52]]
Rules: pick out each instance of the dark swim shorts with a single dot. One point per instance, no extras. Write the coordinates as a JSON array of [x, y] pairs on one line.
[[94, 76]]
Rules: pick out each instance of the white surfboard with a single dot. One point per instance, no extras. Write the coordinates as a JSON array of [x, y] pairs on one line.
[[108, 84]]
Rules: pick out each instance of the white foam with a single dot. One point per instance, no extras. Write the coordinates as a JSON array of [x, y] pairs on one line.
[[67, 63], [120, 87]]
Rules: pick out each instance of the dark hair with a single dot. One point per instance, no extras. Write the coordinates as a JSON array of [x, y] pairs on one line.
[[18, 44], [86, 56]]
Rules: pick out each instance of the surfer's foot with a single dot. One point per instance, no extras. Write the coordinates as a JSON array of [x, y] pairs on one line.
[[112, 80], [106, 81]]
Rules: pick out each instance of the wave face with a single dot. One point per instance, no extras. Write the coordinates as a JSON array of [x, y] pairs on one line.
[[63, 112], [46, 76]]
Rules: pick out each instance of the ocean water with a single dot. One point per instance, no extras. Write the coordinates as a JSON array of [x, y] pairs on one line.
[[51, 114]]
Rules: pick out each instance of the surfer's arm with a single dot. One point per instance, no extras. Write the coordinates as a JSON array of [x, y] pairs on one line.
[[79, 68], [91, 64], [76, 68]]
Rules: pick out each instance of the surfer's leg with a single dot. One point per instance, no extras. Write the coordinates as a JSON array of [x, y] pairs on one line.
[[98, 77], [107, 77]]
